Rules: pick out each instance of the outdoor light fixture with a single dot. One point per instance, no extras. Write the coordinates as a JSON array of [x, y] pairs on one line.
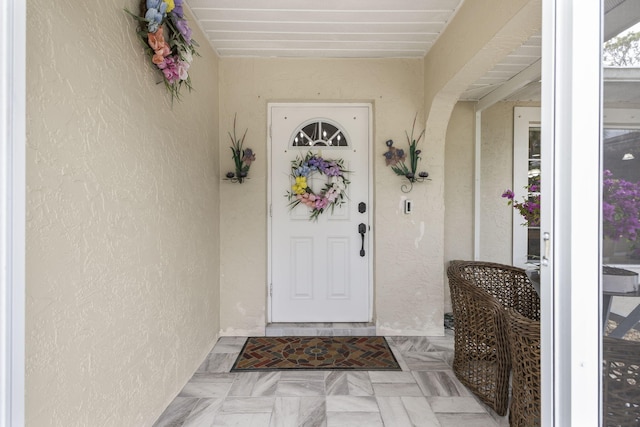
[[628, 156]]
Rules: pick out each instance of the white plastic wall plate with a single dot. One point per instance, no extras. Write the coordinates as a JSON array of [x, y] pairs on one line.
[[408, 206]]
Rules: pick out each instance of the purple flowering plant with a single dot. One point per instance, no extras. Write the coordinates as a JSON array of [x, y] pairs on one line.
[[620, 208], [529, 207], [166, 36]]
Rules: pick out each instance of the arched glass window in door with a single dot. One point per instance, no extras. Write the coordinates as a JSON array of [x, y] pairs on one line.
[[320, 133]]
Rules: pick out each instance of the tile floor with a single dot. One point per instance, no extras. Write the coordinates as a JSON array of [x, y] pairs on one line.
[[425, 393]]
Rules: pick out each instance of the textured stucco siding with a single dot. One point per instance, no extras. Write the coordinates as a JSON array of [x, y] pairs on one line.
[[407, 278], [496, 176], [496, 217], [138, 255], [122, 220], [459, 187]]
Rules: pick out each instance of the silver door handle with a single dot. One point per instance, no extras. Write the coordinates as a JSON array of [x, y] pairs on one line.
[[546, 237]]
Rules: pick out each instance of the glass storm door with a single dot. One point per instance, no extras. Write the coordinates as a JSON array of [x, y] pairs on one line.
[[320, 268], [620, 215], [527, 168]]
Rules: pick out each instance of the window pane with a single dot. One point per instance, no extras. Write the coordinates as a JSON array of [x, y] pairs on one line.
[[534, 176], [620, 227], [534, 143], [320, 134], [621, 196], [533, 244]]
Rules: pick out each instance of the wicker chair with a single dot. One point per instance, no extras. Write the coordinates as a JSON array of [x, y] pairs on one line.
[[524, 348], [480, 294], [621, 383]]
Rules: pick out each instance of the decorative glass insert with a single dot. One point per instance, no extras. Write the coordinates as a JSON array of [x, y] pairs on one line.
[[319, 134], [533, 232]]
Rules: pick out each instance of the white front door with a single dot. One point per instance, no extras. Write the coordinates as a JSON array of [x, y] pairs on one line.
[[320, 268]]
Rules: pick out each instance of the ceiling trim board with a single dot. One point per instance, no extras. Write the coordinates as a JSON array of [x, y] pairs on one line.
[[526, 76]]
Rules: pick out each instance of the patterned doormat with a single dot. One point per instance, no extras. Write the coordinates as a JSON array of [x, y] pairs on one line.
[[318, 353]]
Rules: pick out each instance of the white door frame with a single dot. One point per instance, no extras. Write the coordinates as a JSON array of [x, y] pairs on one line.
[[12, 210], [524, 118], [370, 234], [570, 268]]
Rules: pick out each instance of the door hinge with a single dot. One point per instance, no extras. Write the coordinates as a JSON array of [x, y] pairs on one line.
[[270, 210], [270, 289], [269, 131]]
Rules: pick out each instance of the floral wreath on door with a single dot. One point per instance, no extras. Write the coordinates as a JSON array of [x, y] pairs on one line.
[[331, 195]]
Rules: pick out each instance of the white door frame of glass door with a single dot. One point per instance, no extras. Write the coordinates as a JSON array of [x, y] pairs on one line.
[[12, 210], [570, 292]]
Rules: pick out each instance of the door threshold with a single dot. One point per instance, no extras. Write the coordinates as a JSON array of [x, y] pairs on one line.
[[338, 329]]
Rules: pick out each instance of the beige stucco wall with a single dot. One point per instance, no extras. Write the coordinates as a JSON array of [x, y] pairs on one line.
[[122, 220], [496, 218], [408, 299], [481, 34], [459, 187]]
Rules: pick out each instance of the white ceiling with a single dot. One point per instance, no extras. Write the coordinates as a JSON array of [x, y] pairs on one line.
[[373, 29], [512, 80], [325, 28], [527, 55]]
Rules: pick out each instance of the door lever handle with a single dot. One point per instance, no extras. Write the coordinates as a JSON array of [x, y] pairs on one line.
[[362, 229], [546, 237]]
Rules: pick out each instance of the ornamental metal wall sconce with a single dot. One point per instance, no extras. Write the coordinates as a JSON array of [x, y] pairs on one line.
[[241, 157], [395, 157]]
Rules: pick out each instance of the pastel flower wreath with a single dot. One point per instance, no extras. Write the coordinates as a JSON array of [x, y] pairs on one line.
[[332, 194], [166, 35]]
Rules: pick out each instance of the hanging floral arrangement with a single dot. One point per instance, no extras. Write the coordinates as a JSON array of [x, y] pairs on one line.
[[166, 35], [332, 194]]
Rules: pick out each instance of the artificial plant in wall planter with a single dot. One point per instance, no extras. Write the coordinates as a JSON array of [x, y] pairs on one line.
[[242, 157], [395, 157]]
